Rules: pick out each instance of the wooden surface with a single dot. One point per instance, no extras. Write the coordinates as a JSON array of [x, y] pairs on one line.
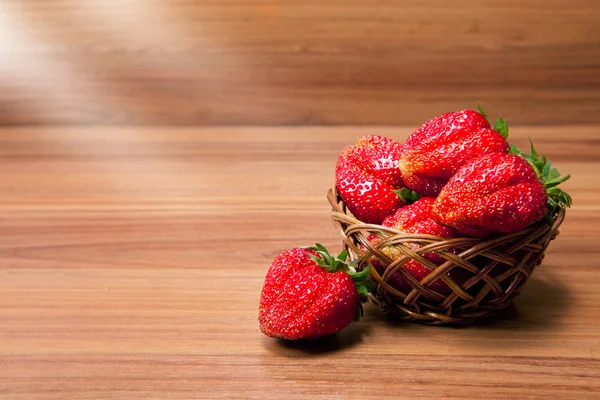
[[132, 260], [296, 62]]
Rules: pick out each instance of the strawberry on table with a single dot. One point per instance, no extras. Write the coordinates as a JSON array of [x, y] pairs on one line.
[[500, 193], [367, 175], [435, 151], [417, 218], [308, 293]]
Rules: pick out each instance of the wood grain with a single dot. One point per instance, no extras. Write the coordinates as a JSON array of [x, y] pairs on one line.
[[132, 260], [273, 62]]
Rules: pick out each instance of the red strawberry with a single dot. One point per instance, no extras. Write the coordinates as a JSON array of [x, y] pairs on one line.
[[308, 293], [417, 218], [496, 193], [367, 175], [435, 151]]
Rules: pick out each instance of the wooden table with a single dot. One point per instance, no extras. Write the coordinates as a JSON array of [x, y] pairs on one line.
[[132, 259]]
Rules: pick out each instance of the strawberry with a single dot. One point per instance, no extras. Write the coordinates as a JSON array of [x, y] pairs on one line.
[[416, 218], [367, 175], [435, 151], [499, 193], [308, 293]]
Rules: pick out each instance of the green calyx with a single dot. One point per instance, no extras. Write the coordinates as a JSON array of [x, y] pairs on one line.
[[407, 195], [549, 176], [500, 126], [361, 279]]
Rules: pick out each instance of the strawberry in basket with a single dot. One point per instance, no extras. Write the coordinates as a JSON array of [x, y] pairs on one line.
[[416, 218], [435, 151], [367, 177], [500, 193]]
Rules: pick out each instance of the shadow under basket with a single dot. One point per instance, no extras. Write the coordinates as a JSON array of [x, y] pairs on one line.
[[474, 278]]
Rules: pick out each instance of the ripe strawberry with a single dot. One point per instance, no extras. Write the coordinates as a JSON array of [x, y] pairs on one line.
[[416, 218], [435, 151], [367, 175], [308, 293], [499, 193]]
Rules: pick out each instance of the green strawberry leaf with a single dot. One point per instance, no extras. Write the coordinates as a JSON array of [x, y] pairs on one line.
[[364, 286], [407, 195], [554, 191], [553, 174], [549, 176], [343, 255], [361, 275], [501, 126], [319, 261], [557, 181], [546, 171], [482, 112], [514, 150], [532, 151], [320, 248]]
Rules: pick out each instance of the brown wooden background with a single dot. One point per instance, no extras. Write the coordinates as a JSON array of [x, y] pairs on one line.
[[279, 62]]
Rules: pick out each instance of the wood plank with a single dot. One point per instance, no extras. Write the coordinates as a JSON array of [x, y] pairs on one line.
[[267, 62], [293, 376]]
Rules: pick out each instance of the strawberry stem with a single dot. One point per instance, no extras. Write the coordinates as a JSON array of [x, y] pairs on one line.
[[361, 279]]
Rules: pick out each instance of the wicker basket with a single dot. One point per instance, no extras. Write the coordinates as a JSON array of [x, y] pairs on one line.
[[495, 269]]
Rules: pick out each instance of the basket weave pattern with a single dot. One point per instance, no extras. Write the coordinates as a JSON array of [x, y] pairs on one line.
[[493, 270]]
